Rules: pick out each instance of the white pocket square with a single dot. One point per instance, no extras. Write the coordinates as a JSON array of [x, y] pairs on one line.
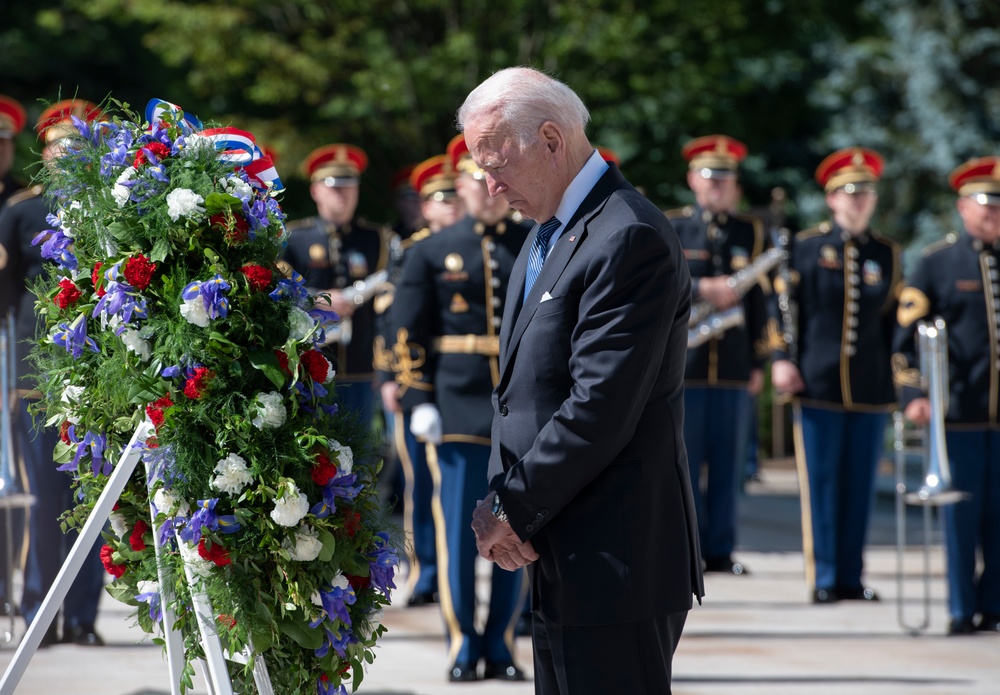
[[545, 297]]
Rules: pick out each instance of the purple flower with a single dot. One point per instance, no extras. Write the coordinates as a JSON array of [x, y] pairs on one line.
[[325, 320], [153, 599], [336, 599], [256, 215], [325, 687], [120, 299], [338, 639], [207, 518], [117, 156], [382, 560], [74, 337], [211, 292], [55, 247], [170, 372], [293, 288], [97, 443], [341, 487]]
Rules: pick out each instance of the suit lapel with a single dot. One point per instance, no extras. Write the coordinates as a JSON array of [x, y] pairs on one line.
[[562, 251]]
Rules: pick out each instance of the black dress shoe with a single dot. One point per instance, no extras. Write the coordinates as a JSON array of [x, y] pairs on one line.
[[825, 596], [725, 565], [83, 635], [462, 673], [961, 626], [989, 623], [858, 593], [422, 598], [503, 672]]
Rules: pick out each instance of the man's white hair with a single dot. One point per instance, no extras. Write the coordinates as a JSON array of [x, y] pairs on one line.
[[525, 98]]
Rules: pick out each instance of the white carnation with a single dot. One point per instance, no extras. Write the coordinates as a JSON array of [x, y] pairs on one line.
[[375, 619], [194, 311], [199, 566], [290, 507], [236, 186], [345, 457], [148, 587], [195, 143], [300, 324], [136, 344], [316, 599], [233, 475], [183, 202], [118, 524], [340, 581], [270, 411], [307, 545], [168, 503], [71, 397], [121, 192]]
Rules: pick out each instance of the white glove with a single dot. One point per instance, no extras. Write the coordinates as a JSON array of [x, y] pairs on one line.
[[425, 423]]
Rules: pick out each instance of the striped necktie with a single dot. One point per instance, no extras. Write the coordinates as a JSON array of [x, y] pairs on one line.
[[536, 257]]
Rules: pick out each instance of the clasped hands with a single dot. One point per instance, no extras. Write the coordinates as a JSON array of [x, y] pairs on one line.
[[497, 541]]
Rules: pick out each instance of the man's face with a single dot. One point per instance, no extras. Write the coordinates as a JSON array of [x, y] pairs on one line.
[[981, 221], [852, 211], [527, 178], [479, 204], [407, 204], [442, 213], [715, 195], [334, 204], [6, 156]]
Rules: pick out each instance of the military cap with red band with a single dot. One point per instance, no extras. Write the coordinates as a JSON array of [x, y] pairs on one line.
[[401, 178], [461, 158], [12, 117], [336, 165], [434, 178], [714, 156], [979, 179], [57, 120], [854, 169]]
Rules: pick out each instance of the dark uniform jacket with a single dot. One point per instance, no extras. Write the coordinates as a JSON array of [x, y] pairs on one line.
[[722, 246], [328, 258], [20, 221], [958, 280], [446, 319], [846, 290], [8, 187]]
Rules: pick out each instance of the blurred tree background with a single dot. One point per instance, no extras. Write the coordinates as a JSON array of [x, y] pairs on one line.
[[795, 79]]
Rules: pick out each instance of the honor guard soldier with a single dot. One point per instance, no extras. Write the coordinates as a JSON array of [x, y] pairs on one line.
[[447, 318], [846, 282], [958, 280], [723, 373], [12, 120], [334, 251], [23, 218]]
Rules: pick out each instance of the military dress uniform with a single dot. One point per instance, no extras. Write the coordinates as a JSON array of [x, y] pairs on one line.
[[20, 221], [958, 280], [333, 256], [846, 289], [716, 402]]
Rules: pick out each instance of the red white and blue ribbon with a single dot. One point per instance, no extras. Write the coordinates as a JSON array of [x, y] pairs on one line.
[[157, 107]]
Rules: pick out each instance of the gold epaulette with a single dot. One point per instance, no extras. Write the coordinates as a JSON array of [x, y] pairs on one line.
[[415, 237], [686, 211], [26, 194], [950, 240], [819, 230], [300, 224]]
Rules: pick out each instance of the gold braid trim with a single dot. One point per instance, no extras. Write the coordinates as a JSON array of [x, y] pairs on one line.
[[406, 366]]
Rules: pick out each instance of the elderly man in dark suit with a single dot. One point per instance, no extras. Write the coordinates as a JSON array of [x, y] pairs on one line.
[[589, 482]]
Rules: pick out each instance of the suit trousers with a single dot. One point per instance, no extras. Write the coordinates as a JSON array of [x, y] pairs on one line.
[[633, 658], [460, 474], [48, 547], [418, 520], [715, 433], [974, 523], [841, 450]]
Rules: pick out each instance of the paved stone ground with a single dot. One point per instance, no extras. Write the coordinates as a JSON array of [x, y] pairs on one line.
[[754, 635]]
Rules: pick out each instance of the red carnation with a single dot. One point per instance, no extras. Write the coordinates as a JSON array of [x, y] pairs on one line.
[[283, 361], [218, 554], [158, 149], [64, 432], [109, 565], [155, 410], [352, 522], [227, 620], [139, 272], [152, 443], [68, 294], [324, 470], [316, 365], [135, 539], [95, 276], [358, 583], [195, 386], [259, 277]]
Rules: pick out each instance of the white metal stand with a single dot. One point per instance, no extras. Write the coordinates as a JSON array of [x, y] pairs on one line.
[[217, 673]]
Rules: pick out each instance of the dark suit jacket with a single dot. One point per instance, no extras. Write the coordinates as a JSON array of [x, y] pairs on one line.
[[588, 451]]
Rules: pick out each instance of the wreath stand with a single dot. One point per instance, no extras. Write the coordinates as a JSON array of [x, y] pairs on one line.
[[215, 671]]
